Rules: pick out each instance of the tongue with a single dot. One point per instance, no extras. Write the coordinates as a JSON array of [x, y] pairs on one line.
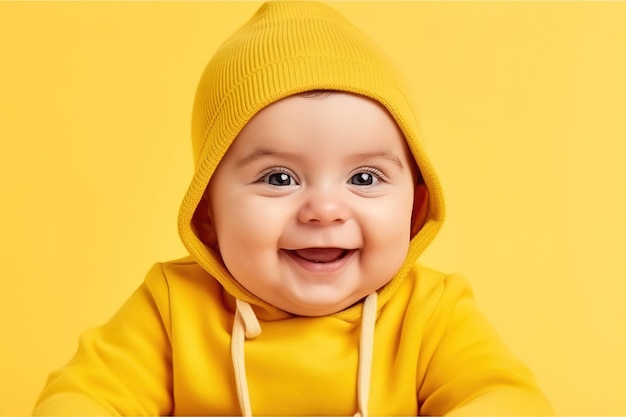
[[320, 255]]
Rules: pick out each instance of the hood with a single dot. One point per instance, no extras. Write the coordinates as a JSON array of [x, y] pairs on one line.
[[284, 49]]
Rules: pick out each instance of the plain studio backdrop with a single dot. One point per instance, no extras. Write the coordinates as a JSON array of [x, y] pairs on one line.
[[522, 106]]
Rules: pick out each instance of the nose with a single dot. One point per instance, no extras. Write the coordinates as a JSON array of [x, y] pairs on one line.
[[324, 207]]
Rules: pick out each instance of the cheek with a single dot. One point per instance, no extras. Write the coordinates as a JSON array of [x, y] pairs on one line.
[[392, 219], [387, 232], [391, 243], [247, 225]]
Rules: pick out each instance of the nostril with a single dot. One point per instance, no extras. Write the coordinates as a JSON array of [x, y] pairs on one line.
[[324, 208]]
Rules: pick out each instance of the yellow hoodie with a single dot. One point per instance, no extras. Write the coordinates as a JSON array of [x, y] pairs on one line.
[[193, 341]]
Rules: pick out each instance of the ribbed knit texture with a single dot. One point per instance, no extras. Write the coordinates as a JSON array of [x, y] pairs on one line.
[[284, 49]]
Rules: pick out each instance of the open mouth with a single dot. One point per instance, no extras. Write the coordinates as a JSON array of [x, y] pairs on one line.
[[320, 255], [321, 261]]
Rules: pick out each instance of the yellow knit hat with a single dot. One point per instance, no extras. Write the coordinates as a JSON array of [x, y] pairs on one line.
[[284, 49]]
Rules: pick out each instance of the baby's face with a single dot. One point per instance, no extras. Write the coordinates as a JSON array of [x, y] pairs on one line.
[[312, 203]]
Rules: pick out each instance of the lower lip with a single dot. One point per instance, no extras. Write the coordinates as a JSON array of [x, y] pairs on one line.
[[320, 267]]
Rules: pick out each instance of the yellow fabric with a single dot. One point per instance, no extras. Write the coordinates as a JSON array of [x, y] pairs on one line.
[[246, 325], [168, 351], [191, 340]]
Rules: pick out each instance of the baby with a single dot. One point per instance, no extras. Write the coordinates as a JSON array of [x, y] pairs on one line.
[[311, 201]]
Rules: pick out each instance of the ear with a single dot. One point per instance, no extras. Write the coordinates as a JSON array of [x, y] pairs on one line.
[[420, 208], [203, 223]]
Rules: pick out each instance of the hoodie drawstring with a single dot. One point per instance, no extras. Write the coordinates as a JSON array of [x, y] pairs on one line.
[[366, 352], [246, 326]]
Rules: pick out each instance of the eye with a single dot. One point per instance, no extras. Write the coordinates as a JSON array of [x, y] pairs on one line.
[[278, 178], [365, 178]]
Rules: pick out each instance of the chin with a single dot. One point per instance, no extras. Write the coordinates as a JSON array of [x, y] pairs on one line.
[[323, 308]]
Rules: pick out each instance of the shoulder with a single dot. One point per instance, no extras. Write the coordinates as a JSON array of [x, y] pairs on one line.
[[185, 266], [428, 293], [425, 282], [179, 271], [182, 280]]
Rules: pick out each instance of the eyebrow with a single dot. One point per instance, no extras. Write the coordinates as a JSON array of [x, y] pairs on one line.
[[376, 155], [259, 153]]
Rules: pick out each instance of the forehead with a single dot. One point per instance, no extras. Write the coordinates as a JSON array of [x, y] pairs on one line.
[[332, 122]]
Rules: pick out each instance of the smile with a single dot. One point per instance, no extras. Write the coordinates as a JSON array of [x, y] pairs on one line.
[[321, 260], [321, 255]]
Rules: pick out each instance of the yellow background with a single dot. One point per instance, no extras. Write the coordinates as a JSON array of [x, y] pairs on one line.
[[522, 105]]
